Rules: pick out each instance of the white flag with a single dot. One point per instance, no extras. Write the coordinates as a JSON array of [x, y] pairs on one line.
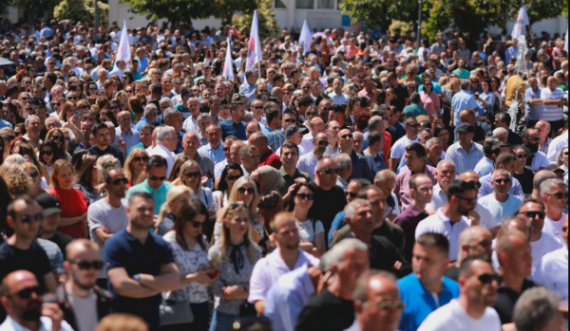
[[228, 64], [124, 52], [305, 38], [254, 47], [522, 21]]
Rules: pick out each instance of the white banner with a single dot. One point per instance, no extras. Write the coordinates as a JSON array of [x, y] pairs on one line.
[[522, 21], [124, 52], [305, 38], [228, 64], [254, 46]]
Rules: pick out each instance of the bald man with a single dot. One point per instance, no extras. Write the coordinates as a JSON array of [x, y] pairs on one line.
[[21, 297]]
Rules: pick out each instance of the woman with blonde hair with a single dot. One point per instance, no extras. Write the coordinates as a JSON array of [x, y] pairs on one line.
[[234, 254], [134, 166], [73, 216], [123, 99], [136, 108], [190, 175], [83, 106], [175, 197]]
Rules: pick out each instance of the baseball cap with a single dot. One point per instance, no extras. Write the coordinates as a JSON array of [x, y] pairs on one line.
[[465, 127], [292, 129], [49, 203]]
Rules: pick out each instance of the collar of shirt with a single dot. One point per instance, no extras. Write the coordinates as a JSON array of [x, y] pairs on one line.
[[441, 216], [275, 260], [413, 211], [210, 148]]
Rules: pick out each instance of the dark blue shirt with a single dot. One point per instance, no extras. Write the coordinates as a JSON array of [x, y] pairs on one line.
[[230, 128], [109, 150], [360, 168], [123, 250]]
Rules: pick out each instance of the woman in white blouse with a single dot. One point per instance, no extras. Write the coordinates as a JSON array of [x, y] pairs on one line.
[[311, 232]]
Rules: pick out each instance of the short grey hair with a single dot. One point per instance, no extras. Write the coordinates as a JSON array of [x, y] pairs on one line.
[[540, 177], [203, 115], [548, 185], [361, 289], [499, 132], [321, 162], [163, 133], [536, 308], [165, 100], [350, 209], [31, 117], [169, 112], [384, 175], [434, 140], [15, 159], [374, 122], [465, 83], [343, 161], [445, 162], [150, 110], [336, 254], [248, 116], [502, 172], [468, 235]]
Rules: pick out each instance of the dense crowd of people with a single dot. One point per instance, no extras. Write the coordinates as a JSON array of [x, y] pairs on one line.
[[362, 184]]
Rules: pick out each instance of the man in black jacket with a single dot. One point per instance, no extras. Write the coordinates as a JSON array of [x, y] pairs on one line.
[[83, 303]]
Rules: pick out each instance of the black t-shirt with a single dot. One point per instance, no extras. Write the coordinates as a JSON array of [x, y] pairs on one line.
[[506, 300], [326, 312], [327, 204], [109, 150], [392, 232], [526, 179], [61, 240]]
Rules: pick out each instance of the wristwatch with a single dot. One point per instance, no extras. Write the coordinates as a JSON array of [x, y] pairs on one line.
[[137, 277]]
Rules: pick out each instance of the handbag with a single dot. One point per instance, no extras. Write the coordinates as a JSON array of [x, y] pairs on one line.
[[247, 309], [172, 313]]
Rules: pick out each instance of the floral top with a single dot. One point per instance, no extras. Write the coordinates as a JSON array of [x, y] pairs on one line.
[[188, 262], [229, 277], [166, 225]]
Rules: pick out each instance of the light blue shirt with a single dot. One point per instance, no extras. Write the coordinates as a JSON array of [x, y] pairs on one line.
[[130, 138], [5, 124], [533, 112], [217, 155], [464, 160], [287, 298], [140, 123], [460, 101], [500, 210], [248, 91], [487, 187], [339, 99], [484, 167], [511, 51]]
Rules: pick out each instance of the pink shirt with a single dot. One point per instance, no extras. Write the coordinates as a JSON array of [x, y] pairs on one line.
[[402, 187], [430, 102]]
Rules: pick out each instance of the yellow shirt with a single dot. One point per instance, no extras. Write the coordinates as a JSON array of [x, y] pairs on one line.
[[511, 88]]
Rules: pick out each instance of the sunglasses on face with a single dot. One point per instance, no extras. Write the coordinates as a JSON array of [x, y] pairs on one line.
[[305, 87], [233, 178], [477, 184], [235, 205], [192, 174], [86, 265], [472, 202], [347, 136], [352, 194], [533, 214], [129, 91], [323, 143], [47, 152], [56, 138], [257, 107], [311, 113], [29, 218], [25, 98], [250, 190], [26, 293], [196, 224], [117, 107], [141, 158], [154, 178], [119, 181], [560, 195], [488, 278], [502, 180], [57, 104], [329, 171], [94, 89], [415, 126], [290, 121], [304, 196], [71, 98], [522, 156]]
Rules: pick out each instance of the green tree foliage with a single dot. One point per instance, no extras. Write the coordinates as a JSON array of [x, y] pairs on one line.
[[81, 11], [175, 11], [381, 12], [225, 9], [268, 26], [33, 8]]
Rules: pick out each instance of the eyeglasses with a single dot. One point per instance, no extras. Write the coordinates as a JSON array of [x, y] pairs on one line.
[[141, 158], [192, 174], [533, 214], [235, 205], [46, 152], [522, 156], [346, 136], [352, 194], [86, 265], [249, 190], [325, 108], [290, 120], [119, 181], [389, 305], [330, 171], [304, 196], [311, 113], [323, 143], [26, 293], [560, 195], [56, 138], [472, 202], [94, 89], [129, 91], [29, 218], [488, 278], [154, 178], [34, 174], [502, 180]]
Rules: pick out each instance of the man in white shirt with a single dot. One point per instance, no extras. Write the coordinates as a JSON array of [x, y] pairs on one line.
[[397, 152], [556, 145], [472, 311], [316, 125], [553, 194], [452, 218], [531, 139], [118, 70], [166, 142], [308, 161], [554, 99], [540, 242], [191, 122]]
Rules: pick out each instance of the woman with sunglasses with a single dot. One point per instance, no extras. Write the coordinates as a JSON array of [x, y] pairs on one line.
[[234, 255], [134, 166], [190, 251], [311, 232], [352, 108], [115, 107], [231, 173], [58, 137], [73, 216], [563, 160], [92, 89], [190, 175], [36, 178], [48, 155], [88, 180], [524, 175], [175, 197], [83, 106]]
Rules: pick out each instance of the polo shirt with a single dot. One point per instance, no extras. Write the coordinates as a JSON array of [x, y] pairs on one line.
[[487, 187], [408, 220], [123, 250], [420, 302], [414, 110], [552, 272], [230, 128], [109, 150], [268, 270], [534, 112], [184, 111], [552, 113], [460, 101], [538, 161], [307, 164], [276, 139], [287, 180], [140, 123], [501, 210], [540, 248], [554, 228], [464, 160], [339, 99], [399, 147], [158, 195], [506, 299], [439, 223], [216, 155], [190, 124], [402, 185], [139, 145], [130, 138]]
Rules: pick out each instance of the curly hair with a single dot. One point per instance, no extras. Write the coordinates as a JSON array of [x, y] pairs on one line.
[[17, 181]]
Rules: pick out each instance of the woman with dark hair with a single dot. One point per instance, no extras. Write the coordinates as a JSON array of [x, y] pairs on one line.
[[136, 107], [495, 87], [77, 158], [311, 232], [352, 108], [361, 120], [115, 107], [190, 251], [28, 152], [57, 135], [231, 173], [107, 115], [87, 179], [128, 78], [92, 90], [524, 175], [442, 133], [49, 153]]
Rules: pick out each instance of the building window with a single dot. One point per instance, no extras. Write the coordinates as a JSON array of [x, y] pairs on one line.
[[305, 4], [279, 4], [325, 4]]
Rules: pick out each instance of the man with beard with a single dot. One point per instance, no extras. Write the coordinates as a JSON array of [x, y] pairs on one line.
[[83, 303], [536, 160], [472, 311], [452, 218], [140, 265], [21, 297], [308, 162]]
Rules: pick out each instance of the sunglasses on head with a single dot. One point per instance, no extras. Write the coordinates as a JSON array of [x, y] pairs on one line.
[[346, 136], [488, 278], [26, 293], [307, 196], [502, 180], [119, 181], [329, 171], [151, 177], [249, 190], [195, 174], [46, 152], [533, 214], [86, 265], [29, 218]]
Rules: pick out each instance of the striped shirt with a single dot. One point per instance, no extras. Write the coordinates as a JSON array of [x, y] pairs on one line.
[[552, 113]]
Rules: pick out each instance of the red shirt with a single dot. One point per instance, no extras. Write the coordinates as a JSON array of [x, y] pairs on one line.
[[387, 145], [271, 159], [72, 204]]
